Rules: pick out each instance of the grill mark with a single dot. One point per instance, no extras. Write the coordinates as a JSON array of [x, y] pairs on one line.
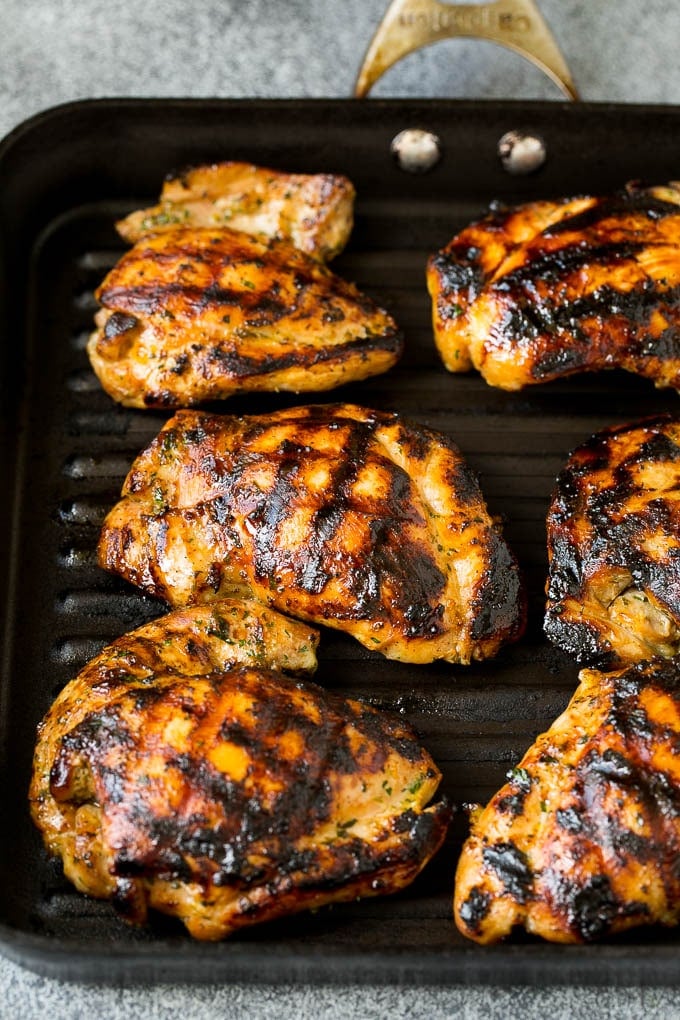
[[594, 906], [621, 204], [512, 803], [657, 449], [237, 365], [418, 584], [623, 533], [512, 867], [394, 578], [474, 909], [571, 820], [119, 323], [414, 578], [271, 512], [260, 310], [592, 458], [578, 638], [327, 519], [458, 272], [664, 674], [313, 577], [154, 298], [596, 487], [202, 245], [655, 792], [527, 319], [552, 266], [633, 308], [499, 594], [219, 838], [463, 481]]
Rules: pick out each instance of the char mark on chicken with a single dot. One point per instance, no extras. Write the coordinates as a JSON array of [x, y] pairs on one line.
[[549, 289]]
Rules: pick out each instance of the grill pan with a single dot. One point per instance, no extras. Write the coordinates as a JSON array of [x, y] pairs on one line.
[[65, 176]]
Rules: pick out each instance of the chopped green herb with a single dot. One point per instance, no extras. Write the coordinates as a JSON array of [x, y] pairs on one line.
[[168, 444], [165, 218], [520, 777], [220, 629], [158, 500]]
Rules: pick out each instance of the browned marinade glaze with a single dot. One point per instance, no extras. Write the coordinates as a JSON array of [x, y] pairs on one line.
[[194, 314], [614, 546], [174, 774], [340, 515], [549, 289], [584, 840]]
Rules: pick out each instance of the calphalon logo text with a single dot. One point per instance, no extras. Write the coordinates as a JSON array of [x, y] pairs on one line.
[[466, 19]]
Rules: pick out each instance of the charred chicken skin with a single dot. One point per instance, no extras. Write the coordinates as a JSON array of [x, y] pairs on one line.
[[195, 314], [171, 774], [549, 289], [314, 212], [584, 840], [614, 546], [336, 514]]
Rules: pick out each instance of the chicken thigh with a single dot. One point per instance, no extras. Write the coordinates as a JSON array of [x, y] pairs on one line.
[[314, 212], [337, 514], [181, 772], [614, 546], [584, 840], [549, 289], [196, 314]]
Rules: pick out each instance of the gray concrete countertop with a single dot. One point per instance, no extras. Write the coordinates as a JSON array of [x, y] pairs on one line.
[[52, 51]]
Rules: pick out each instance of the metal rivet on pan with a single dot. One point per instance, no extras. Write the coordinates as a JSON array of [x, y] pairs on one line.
[[521, 153], [415, 150]]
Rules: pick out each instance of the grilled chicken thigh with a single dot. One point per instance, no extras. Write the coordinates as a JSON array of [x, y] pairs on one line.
[[553, 288], [584, 840], [614, 546], [314, 212], [194, 314], [171, 774], [337, 514], [193, 641]]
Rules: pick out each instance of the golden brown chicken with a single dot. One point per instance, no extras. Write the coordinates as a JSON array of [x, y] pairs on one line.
[[584, 840], [314, 212], [173, 775], [614, 546], [553, 288], [192, 314], [340, 515]]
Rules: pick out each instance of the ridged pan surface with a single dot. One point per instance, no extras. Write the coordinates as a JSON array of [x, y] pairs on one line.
[[67, 448]]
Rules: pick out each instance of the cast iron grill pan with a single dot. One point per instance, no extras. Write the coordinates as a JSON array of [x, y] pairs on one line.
[[68, 447]]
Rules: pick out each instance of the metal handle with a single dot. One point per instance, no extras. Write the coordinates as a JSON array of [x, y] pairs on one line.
[[408, 25]]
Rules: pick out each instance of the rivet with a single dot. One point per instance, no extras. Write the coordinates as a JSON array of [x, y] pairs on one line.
[[415, 150], [521, 153]]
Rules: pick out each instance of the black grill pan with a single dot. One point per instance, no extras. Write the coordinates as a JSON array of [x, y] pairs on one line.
[[65, 177]]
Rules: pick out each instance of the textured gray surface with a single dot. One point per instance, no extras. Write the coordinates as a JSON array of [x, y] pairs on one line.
[[28, 997], [52, 51], [55, 50]]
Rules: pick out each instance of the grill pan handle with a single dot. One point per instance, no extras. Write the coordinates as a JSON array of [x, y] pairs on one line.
[[409, 25]]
